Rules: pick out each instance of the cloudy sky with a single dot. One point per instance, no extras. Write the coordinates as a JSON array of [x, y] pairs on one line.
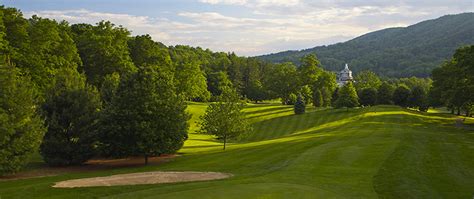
[[247, 27]]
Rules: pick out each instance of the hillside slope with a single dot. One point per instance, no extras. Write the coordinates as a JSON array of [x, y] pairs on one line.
[[395, 52]]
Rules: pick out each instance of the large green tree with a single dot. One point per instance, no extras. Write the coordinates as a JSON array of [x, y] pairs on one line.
[[146, 117], [224, 119], [103, 49], [453, 82], [282, 81], [190, 79], [71, 110], [21, 129], [309, 70]]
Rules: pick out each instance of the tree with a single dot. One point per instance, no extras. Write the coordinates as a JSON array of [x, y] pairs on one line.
[[146, 117], [225, 119], [190, 79], [317, 98], [326, 84], [453, 82], [368, 96], [385, 94], [306, 94], [366, 79], [418, 98], [109, 87], [145, 51], [282, 81], [217, 82], [71, 110], [103, 50], [21, 129], [309, 70], [401, 95], [300, 106], [347, 97]]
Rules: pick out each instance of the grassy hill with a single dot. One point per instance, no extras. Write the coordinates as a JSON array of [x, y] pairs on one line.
[[395, 52], [383, 151]]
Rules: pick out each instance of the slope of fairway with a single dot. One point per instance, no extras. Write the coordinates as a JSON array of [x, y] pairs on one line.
[[383, 151]]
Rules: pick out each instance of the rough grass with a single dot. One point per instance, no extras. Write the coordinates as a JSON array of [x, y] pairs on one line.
[[383, 151]]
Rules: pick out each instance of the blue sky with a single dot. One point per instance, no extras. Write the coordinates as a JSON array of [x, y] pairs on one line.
[[247, 27]]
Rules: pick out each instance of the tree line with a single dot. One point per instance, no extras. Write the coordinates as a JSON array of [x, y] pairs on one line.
[[80, 91]]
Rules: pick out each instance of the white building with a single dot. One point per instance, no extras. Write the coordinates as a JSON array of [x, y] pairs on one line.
[[344, 76]]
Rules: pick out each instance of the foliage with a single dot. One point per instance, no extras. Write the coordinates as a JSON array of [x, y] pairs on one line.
[[347, 97], [368, 96], [224, 119], [300, 106], [21, 129], [385, 93], [394, 52], [401, 96], [217, 83], [453, 82], [418, 99], [146, 117], [71, 110], [109, 87], [103, 49], [326, 84], [366, 79], [309, 69], [318, 98], [145, 51], [189, 79], [282, 81], [306, 94]]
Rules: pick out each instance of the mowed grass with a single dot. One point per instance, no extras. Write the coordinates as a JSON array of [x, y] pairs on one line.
[[377, 152]]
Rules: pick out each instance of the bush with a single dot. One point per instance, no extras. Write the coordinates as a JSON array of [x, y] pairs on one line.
[[300, 106]]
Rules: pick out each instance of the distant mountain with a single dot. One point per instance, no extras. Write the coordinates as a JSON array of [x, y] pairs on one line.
[[394, 52]]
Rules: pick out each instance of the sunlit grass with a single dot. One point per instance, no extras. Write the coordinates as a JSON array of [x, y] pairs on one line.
[[382, 151]]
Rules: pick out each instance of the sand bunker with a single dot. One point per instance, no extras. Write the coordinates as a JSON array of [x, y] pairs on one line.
[[142, 178]]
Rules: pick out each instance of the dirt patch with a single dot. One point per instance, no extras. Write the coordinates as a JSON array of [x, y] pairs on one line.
[[89, 166], [157, 177]]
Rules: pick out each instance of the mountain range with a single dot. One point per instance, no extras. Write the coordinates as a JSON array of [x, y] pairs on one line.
[[394, 52]]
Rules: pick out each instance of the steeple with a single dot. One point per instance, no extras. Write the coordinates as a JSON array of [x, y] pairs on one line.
[[346, 67]]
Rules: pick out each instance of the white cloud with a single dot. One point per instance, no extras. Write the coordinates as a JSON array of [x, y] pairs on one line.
[[275, 25]]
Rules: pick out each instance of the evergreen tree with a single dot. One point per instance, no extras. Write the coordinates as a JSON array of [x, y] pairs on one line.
[[317, 98], [146, 117], [347, 97], [71, 110], [21, 129], [300, 106], [225, 119]]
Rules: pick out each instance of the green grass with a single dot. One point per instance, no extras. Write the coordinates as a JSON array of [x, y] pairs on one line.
[[383, 151]]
